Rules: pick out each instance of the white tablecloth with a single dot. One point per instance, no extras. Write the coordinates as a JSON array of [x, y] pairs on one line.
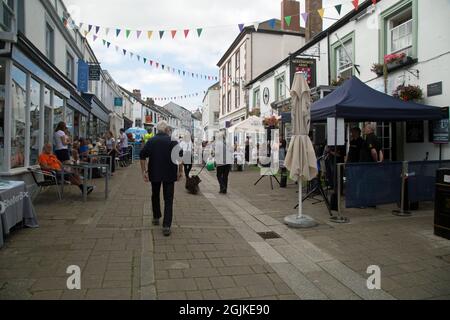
[[15, 207]]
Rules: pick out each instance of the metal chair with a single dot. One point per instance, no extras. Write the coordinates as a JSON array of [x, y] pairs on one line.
[[50, 180]]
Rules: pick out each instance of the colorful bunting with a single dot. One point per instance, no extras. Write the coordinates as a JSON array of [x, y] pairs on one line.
[[256, 26], [321, 12], [173, 32], [305, 17], [127, 33], [288, 20], [97, 29], [186, 33], [161, 34], [118, 32], [356, 4], [338, 8], [138, 34], [199, 32], [149, 34], [90, 28], [95, 38], [107, 31], [241, 27]]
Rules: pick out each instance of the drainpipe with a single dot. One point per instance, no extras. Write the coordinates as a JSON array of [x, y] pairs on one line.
[[329, 58]]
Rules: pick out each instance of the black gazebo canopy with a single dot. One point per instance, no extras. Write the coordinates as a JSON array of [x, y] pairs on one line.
[[356, 101]]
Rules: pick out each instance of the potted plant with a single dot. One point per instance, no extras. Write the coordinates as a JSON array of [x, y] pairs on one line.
[[408, 93], [255, 112], [338, 82], [378, 69]]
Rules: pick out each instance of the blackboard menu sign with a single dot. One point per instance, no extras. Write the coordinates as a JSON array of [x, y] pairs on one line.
[[434, 89], [439, 131]]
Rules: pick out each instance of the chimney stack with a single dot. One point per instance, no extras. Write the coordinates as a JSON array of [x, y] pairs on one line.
[[290, 8], [314, 25], [137, 93]]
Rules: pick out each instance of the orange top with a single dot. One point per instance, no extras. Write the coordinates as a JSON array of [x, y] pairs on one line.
[[50, 161]]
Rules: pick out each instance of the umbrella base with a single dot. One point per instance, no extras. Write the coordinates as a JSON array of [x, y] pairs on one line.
[[303, 222], [339, 219]]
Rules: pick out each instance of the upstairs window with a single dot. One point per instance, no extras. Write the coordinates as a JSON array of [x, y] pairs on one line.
[[280, 85], [344, 55], [70, 66], [400, 33], [49, 42], [257, 98]]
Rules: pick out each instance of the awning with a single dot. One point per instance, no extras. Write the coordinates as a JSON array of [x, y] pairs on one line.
[[356, 101], [252, 124], [74, 104]]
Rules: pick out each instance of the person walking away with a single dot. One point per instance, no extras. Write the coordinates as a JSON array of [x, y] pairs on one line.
[[61, 143], [224, 157], [148, 136], [159, 168], [371, 148], [123, 145], [187, 148], [111, 149], [356, 144], [247, 150]]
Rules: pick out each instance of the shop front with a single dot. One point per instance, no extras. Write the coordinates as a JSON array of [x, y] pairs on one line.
[[99, 118], [34, 98]]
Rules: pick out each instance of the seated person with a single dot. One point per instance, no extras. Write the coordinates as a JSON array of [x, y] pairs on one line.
[[49, 162], [84, 150], [75, 151]]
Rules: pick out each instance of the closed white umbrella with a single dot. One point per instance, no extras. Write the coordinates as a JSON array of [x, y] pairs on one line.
[[301, 158]]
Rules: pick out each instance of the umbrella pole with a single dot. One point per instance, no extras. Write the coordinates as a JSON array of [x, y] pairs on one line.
[[300, 200]]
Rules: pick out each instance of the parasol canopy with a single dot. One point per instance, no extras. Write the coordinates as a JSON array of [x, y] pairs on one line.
[[301, 159]]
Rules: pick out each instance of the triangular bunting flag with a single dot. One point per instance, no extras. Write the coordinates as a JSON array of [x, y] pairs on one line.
[[85, 33], [186, 33], [128, 32], [256, 26], [81, 25], [199, 32], [108, 44], [151, 62], [131, 54], [272, 23], [305, 17], [149, 34], [104, 42], [241, 27], [139, 58], [145, 60], [124, 52], [118, 32], [356, 4], [107, 31], [173, 32], [117, 48], [90, 28], [95, 37], [338, 8], [97, 29], [161, 34], [157, 65], [138, 33], [321, 12], [288, 20]]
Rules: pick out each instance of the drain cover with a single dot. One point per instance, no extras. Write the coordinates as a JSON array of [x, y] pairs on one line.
[[269, 235]]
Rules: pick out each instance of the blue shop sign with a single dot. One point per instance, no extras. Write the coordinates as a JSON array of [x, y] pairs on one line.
[[83, 76]]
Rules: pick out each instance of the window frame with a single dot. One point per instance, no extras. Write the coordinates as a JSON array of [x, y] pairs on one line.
[[50, 52], [257, 98], [392, 12], [277, 91], [70, 56], [334, 54]]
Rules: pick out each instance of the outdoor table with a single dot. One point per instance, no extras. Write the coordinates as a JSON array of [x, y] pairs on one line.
[[15, 207], [100, 157], [87, 167]]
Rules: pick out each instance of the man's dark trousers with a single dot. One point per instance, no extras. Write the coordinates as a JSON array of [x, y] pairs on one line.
[[222, 175], [168, 190]]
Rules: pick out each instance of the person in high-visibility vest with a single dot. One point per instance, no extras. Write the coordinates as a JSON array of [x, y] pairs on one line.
[[148, 136]]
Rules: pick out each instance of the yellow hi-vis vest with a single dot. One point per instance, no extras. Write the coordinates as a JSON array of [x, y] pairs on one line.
[[147, 137]]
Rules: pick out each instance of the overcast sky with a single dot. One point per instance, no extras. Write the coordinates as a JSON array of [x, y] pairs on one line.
[[219, 19]]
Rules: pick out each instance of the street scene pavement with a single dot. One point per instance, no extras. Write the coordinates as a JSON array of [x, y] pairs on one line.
[[218, 249]]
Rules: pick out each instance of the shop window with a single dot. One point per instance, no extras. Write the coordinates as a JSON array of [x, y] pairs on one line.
[[48, 116], [18, 123], [70, 121], [35, 110], [2, 112], [58, 110]]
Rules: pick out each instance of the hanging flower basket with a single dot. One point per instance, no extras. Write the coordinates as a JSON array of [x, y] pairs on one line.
[[271, 122], [408, 93]]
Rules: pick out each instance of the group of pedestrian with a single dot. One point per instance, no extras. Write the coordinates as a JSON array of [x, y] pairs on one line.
[[368, 150]]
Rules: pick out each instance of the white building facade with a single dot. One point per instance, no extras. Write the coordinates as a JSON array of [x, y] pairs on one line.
[[211, 112]]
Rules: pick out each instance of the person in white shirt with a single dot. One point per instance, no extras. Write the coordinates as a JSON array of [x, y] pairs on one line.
[[187, 147], [61, 143], [123, 145]]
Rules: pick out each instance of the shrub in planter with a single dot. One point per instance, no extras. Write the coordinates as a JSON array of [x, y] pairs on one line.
[[408, 93], [378, 69]]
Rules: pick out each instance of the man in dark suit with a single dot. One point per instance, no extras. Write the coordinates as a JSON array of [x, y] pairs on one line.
[[162, 170]]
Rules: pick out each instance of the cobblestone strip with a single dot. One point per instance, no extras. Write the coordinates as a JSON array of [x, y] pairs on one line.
[[147, 276], [309, 271]]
